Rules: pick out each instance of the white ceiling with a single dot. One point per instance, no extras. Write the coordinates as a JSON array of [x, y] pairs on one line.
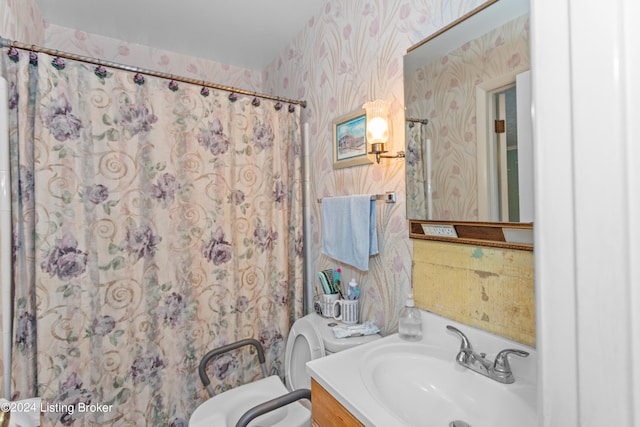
[[245, 33]]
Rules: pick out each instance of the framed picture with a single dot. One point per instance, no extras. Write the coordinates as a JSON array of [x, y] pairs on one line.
[[350, 140]]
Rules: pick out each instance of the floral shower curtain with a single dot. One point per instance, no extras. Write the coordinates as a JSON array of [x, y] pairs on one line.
[[417, 170], [152, 221]]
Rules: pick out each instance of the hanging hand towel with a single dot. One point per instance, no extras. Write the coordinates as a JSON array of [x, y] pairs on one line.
[[349, 229]]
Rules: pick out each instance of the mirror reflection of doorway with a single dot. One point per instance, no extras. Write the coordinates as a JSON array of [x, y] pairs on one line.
[[505, 158], [506, 140]]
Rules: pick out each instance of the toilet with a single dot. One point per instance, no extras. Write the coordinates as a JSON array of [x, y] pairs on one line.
[[310, 337]]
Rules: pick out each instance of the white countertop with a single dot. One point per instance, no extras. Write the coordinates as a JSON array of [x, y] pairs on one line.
[[340, 373]]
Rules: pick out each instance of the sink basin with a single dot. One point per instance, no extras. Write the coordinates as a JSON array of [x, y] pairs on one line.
[[422, 385]]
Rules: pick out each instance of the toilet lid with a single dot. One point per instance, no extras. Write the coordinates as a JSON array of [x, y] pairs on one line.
[[303, 344]]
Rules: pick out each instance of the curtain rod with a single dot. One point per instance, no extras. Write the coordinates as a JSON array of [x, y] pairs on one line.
[[33, 48]]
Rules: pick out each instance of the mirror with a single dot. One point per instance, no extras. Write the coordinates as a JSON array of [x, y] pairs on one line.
[[461, 85]]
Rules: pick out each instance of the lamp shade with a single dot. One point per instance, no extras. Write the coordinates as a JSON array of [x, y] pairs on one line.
[[377, 121]]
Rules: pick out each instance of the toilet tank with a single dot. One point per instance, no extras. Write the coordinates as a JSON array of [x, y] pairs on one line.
[[333, 344]]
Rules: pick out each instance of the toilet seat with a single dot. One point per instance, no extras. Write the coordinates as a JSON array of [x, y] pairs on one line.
[[304, 344], [225, 409]]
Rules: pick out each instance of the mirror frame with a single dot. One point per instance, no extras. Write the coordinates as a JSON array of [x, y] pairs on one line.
[[446, 28], [492, 234]]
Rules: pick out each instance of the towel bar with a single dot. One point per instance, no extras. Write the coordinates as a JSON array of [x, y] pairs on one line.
[[389, 197]]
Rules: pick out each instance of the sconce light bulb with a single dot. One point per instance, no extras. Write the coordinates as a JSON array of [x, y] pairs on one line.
[[377, 130], [377, 121]]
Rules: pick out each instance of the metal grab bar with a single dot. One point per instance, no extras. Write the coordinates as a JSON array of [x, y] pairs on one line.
[[202, 369], [272, 404]]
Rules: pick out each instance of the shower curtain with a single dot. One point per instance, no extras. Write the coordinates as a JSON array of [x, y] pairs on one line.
[[417, 169], [152, 221]]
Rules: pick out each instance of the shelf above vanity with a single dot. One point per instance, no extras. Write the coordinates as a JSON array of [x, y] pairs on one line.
[[495, 234]]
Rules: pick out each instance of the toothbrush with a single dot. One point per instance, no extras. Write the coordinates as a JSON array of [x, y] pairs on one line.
[[337, 289]]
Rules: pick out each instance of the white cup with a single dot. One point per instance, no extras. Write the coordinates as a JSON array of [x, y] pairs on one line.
[[348, 310], [326, 302]]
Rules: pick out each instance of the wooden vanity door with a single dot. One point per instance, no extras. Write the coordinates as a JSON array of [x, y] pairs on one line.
[[326, 411]]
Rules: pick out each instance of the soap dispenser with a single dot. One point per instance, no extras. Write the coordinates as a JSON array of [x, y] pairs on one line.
[[410, 324]]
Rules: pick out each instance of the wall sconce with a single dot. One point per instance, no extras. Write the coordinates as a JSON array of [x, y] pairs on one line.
[[378, 128]]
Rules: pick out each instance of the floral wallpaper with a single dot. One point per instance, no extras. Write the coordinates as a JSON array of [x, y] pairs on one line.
[[349, 53], [21, 20], [120, 51]]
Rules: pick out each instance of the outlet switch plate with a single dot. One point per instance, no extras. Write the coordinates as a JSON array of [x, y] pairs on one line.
[[439, 230]]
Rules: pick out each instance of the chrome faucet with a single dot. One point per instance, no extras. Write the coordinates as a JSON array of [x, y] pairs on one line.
[[498, 370]]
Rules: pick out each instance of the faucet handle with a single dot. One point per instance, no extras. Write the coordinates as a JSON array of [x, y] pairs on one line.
[[501, 363], [465, 346]]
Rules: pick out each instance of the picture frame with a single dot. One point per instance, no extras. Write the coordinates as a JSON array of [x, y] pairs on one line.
[[350, 140]]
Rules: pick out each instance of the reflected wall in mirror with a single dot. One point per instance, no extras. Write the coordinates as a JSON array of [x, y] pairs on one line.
[[461, 85]]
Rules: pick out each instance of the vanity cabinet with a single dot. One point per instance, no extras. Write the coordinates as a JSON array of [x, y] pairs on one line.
[[326, 411]]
